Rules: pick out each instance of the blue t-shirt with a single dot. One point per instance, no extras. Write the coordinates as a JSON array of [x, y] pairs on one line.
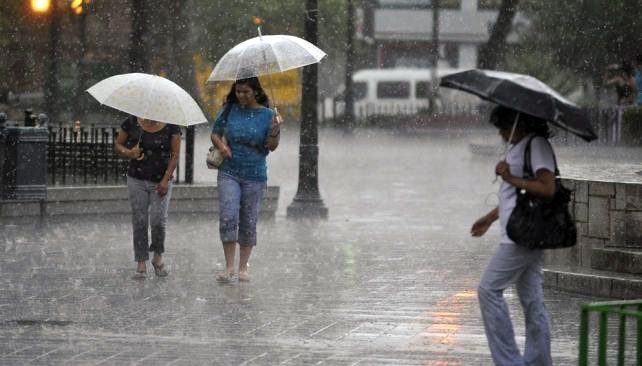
[[246, 132], [638, 85]]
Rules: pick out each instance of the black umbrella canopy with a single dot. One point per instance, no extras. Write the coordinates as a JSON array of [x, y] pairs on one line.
[[523, 93]]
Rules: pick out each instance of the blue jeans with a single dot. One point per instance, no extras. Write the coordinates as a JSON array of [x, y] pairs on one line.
[[239, 204], [513, 264], [148, 209]]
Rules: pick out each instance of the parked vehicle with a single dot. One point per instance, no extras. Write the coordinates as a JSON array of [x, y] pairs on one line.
[[398, 91]]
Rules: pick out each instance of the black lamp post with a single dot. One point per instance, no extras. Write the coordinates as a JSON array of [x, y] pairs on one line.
[[349, 90], [80, 9], [51, 79], [307, 201]]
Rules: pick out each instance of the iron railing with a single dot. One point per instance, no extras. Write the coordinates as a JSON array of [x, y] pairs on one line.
[[84, 156], [623, 310]]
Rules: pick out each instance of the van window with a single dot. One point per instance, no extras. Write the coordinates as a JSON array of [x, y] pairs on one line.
[[393, 89], [423, 89], [359, 90]]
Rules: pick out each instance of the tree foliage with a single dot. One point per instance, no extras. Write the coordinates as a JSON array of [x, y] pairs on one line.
[[585, 36]]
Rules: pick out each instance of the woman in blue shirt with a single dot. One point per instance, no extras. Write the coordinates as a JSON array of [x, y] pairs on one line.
[[251, 131]]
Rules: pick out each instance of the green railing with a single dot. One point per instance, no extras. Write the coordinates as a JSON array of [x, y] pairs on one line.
[[622, 310]]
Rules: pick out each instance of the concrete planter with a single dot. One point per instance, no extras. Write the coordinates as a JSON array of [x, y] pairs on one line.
[[114, 199], [606, 262]]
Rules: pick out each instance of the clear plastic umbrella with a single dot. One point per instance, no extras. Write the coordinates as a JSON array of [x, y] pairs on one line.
[[264, 55], [150, 97]]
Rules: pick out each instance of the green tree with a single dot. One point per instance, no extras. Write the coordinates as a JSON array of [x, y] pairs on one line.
[[584, 36]]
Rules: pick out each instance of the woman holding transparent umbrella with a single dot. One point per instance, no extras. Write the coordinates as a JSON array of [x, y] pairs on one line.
[[251, 131]]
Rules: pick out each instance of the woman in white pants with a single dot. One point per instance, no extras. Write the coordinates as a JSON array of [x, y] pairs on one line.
[[513, 264]]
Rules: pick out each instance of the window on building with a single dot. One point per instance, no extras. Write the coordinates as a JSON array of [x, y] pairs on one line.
[[423, 89], [451, 54], [489, 4], [420, 4], [359, 90], [393, 89]]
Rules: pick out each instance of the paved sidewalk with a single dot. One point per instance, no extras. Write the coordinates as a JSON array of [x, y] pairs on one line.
[[389, 279]]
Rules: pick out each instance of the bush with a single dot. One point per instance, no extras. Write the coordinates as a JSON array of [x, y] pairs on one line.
[[631, 133]]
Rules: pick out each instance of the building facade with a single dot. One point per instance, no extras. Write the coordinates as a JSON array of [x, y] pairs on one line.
[[402, 31]]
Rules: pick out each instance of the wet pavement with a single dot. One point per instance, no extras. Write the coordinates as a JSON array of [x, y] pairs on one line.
[[388, 279]]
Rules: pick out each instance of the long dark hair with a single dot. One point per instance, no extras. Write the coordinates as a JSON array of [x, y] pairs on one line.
[[254, 84], [504, 117]]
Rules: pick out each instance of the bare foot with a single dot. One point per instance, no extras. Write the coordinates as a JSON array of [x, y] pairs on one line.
[[141, 270], [225, 276], [244, 276]]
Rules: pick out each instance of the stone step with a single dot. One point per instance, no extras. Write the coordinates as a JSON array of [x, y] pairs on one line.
[[592, 282], [617, 260], [186, 198]]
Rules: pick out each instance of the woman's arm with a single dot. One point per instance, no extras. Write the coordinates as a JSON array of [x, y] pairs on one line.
[[221, 146], [274, 135], [543, 184], [175, 150], [483, 223], [121, 150]]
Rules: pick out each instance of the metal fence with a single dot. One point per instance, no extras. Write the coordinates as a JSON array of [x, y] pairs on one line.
[[622, 310], [84, 156]]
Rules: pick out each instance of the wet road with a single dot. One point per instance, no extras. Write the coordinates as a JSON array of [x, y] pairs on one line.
[[388, 279]]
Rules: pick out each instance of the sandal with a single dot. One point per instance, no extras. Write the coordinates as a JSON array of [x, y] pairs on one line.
[[160, 270], [139, 275]]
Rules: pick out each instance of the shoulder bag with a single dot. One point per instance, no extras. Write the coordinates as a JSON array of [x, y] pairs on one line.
[[542, 223], [214, 156]]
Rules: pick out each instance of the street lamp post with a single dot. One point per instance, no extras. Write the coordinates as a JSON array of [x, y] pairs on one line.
[[79, 8], [307, 201], [51, 79]]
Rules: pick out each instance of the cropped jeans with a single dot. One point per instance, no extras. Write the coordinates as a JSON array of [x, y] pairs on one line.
[[239, 204], [513, 264], [148, 209]]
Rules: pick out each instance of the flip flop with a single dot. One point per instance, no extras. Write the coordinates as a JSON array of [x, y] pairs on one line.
[[159, 269]]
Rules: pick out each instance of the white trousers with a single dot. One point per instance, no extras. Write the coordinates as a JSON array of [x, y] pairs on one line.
[[522, 267]]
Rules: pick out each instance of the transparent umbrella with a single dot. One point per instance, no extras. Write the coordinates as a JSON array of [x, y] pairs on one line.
[[264, 55], [150, 97]]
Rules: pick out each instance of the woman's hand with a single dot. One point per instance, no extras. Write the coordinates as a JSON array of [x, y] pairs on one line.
[[482, 224], [276, 119], [225, 150], [134, 152], [163, 187], [503, 170]]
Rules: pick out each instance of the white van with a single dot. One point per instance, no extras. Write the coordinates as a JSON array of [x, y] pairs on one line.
[[398, 91]]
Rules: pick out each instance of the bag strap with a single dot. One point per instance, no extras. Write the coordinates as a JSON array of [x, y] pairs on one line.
[[528, 168], [226, 114]]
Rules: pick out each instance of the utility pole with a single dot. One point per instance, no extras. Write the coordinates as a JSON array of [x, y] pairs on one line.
[[182, 71], [307, 201], [349, 91], [434, 56]]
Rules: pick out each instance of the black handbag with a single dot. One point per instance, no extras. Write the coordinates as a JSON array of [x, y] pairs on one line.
[[542, 223]]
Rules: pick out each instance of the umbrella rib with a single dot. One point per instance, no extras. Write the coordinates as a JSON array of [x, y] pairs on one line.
[[238, 65]]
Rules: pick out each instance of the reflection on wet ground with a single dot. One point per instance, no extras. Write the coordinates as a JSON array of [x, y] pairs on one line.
[[390, 278]]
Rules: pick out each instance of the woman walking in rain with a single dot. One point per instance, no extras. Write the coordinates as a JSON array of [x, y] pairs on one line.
[[153, 151], [514, 264], [251, 131]]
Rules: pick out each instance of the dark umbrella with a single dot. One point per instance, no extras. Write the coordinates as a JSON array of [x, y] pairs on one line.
[[525, 94]]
